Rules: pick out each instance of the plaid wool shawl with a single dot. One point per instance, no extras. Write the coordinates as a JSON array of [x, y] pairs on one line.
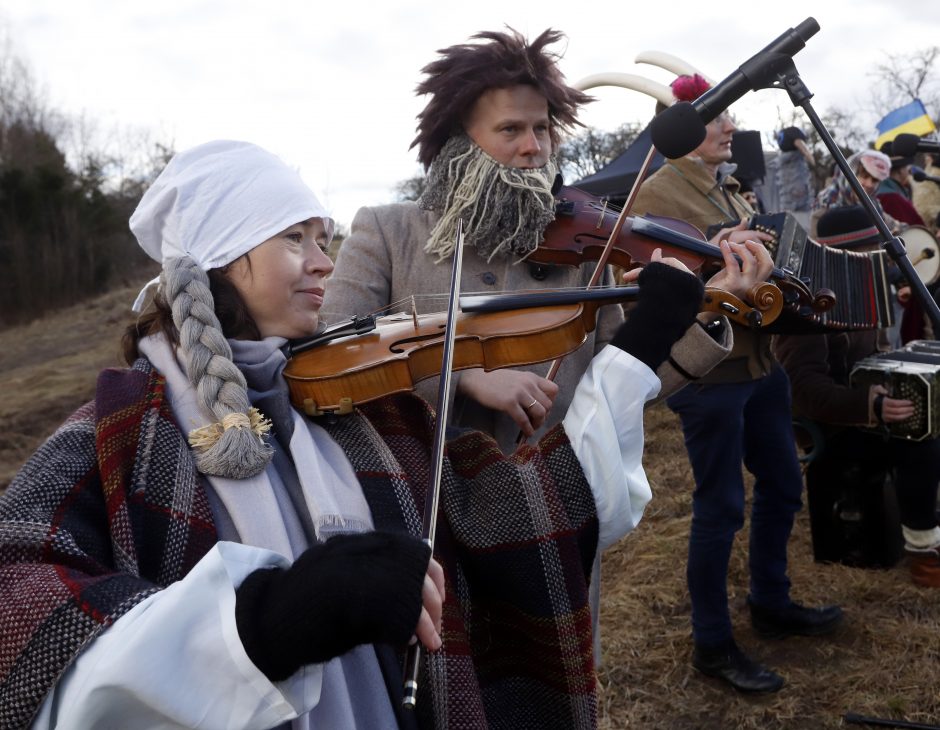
[[110, 509]]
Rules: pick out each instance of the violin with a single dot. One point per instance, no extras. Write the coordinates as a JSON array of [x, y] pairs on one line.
[[403, 350], [583, 224], [329, 375]]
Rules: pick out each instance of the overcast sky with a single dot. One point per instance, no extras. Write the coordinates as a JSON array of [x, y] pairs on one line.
[[329, 84]]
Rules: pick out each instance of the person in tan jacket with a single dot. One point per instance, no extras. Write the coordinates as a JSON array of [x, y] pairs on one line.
[[739, 413]]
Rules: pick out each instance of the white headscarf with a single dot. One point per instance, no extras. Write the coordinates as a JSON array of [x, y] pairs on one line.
[[210, 205], [216, 202]]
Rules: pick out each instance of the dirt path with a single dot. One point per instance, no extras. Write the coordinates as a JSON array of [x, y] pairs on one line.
[[48, 369]]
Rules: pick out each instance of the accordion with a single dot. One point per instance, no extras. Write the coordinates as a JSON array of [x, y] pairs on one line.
[[911, 373], [858, 280]]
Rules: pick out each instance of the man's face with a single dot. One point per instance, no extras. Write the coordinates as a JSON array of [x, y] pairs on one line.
[[511, 125], [717, 145]]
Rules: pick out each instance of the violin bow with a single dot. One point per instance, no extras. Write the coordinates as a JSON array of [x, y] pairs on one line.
[[432, 499], [605, 254]]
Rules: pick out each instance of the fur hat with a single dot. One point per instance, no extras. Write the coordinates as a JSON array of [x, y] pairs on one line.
[[846, 227]]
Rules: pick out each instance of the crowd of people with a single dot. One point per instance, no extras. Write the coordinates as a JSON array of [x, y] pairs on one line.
[[193, 549]]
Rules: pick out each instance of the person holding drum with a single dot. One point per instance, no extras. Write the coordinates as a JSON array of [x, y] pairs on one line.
[[872, 168], [894, 192], [819, 367], [894, 195]]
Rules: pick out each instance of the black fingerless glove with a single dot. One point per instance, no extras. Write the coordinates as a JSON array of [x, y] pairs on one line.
[[350, 590], [668, 302]]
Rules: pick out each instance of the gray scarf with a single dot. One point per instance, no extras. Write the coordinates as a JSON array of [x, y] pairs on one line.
[[307, 493]]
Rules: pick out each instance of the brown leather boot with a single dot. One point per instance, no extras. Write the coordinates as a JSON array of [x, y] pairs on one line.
[[925, 566]]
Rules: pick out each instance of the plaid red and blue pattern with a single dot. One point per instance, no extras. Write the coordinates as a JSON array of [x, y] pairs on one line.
[[105, 513], [110, 509]]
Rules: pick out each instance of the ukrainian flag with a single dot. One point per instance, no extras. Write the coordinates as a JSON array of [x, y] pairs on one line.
[[909, 119]]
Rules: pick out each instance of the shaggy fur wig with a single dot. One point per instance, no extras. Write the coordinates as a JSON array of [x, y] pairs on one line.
[[465, 71]]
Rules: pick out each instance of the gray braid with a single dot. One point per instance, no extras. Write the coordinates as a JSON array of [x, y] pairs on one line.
[[233, 447]]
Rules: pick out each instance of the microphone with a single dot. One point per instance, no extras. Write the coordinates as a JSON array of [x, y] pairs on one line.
[[907, 145], [920, 176], [678, 130]]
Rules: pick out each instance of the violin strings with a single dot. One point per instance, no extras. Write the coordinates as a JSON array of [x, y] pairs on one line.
[[405, 303]]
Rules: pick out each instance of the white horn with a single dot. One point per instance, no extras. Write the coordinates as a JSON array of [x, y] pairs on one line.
[[658, 91], [670, 63]]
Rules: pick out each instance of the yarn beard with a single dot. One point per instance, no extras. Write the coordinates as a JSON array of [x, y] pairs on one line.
[[505, 210]]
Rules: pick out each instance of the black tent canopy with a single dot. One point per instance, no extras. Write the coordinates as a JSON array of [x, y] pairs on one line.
[[615, 180]]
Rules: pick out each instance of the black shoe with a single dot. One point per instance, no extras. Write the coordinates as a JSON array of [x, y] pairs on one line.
[[729, 663], [794, 620]]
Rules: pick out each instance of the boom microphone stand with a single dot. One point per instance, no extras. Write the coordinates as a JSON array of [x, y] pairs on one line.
[[784, 75]]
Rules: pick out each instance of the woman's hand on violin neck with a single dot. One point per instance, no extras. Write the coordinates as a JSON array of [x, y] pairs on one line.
[[428, 631], [523, 396], [657, 256], [754, 268]]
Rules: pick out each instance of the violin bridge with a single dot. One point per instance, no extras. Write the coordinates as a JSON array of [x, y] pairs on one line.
[[414, 312], [602, 213]]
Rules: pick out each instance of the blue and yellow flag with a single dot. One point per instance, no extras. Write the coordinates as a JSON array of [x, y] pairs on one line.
[[909, 119]]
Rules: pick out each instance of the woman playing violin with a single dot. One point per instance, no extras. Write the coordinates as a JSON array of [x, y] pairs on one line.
[[190, 550]]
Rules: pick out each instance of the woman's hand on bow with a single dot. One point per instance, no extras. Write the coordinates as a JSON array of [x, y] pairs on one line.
[[428, 631]]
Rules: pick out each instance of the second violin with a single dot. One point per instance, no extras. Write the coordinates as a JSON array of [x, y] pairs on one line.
[[583, 223]]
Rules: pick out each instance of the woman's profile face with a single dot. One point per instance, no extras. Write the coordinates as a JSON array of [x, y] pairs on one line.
[[282, 280]]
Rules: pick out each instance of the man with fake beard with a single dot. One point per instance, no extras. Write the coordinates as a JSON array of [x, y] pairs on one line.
[[487, 137]]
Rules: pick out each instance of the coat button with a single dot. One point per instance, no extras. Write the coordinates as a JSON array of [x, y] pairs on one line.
[[539, 272], [489, 278]]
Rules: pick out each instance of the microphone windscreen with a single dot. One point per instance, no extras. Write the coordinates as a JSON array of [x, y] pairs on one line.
[[905, 145], [677, 131], [918, 174]]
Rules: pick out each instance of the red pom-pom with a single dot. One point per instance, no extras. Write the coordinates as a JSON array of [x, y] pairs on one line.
[[689, 88]]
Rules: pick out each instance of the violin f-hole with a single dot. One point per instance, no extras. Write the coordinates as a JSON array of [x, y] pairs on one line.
[[398, 347]]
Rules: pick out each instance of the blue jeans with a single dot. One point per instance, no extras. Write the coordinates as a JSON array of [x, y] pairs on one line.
[[725, 425]]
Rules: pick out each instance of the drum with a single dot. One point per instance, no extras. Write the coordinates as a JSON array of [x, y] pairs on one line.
[[924, 253]]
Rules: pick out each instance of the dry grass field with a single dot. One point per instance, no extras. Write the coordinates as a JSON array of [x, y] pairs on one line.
[[884, 662]]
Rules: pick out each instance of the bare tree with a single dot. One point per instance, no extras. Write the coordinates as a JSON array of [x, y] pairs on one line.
[[410, 189], [592, 149], [903, 77], [66, 192]]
